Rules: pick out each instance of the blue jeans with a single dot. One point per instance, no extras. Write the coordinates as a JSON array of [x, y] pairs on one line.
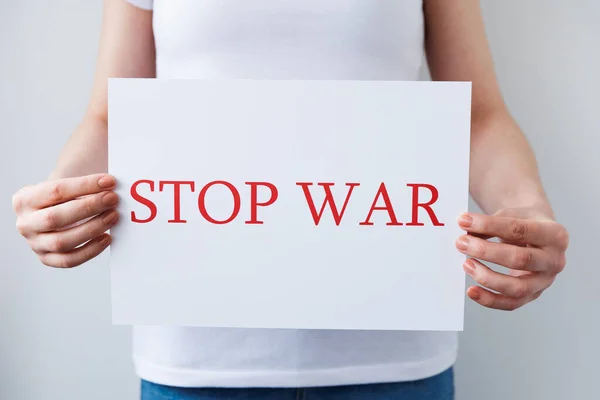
[[438, 387]]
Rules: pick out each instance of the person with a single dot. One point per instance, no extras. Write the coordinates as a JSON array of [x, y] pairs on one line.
[[65, 219]]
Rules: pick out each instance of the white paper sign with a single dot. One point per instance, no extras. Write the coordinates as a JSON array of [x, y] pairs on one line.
[[225, 220]]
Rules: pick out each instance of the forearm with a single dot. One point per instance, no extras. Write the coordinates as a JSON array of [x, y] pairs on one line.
[[504, 171], [126, 50], [86, 151]]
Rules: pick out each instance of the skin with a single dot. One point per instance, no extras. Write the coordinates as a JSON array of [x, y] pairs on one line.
[[65, 218]]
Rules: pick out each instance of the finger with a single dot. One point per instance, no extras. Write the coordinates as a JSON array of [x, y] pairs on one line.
[[508, 255], [79, 255], [65, 214], [498, 301], [517, 230], [517, 287], [64, 241], [58, 191]]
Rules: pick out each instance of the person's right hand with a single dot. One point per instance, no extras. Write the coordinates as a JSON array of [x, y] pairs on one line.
[[52, 217]]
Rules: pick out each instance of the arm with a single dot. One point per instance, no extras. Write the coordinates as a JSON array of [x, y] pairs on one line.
[[504, 171], [504, 177], [126, 50], [65, 218]]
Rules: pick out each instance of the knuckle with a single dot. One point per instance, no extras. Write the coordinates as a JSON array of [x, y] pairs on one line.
[[50, 220], [19, 198], [89, 230], [55, 193], [64, 262], [521, 291], [483, 280], [561, 263], [56, 244], [484, 224], [85, 183], [17, 202], [35, 246], [522, 259], [89, 204], [21, 227], [478, 248], [486, 301], [518, 230]]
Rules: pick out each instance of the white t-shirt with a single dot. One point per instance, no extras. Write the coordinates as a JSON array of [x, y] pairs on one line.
[[288, 39]]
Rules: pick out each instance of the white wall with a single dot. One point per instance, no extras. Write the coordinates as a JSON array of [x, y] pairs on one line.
[[56, 340], [547, 55]]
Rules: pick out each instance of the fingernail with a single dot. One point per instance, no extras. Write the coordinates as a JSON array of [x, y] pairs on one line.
[[474, 294], [110, 218], [465, 220], [106, 182], [469, 267], [462, 243], [110, 199], [105, 241]]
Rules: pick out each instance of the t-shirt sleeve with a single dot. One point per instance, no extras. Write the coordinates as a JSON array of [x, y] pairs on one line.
[[143, 4]]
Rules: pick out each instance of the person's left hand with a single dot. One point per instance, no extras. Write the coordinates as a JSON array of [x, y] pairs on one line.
[[532, 245]]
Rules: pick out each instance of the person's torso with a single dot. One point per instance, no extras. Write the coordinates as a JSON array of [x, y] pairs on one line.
[[288, 39]]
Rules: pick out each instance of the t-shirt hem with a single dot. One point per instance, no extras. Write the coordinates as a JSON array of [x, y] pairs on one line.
[[381, 373], [143, 4]]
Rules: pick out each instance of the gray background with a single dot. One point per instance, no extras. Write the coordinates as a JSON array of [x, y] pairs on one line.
[[56, 338]]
